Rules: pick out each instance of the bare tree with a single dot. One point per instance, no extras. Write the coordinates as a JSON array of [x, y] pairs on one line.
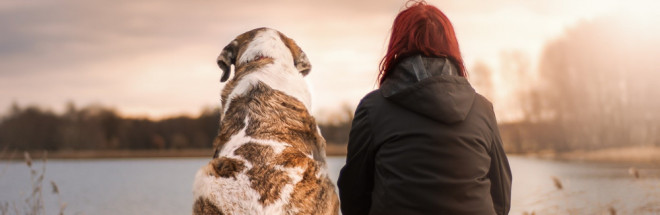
[[481, 78], [597, 84]]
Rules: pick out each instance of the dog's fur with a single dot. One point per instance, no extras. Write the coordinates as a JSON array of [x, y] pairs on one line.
[[270, 156]]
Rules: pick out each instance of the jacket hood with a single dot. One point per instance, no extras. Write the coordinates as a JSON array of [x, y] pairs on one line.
[[431, 87]]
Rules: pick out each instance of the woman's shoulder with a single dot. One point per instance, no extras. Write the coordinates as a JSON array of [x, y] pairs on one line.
[[374, 94], [483, 107], [371, 98], [483, 102]]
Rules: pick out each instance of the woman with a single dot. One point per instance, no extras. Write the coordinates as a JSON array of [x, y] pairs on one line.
[[425, 142]]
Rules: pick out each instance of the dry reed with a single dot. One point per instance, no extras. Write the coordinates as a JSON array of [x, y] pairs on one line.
[[634, 172], [34, 203], [557, 183], [612, 211]]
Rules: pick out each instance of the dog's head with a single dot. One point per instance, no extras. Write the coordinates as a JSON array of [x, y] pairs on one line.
[[258, 44]]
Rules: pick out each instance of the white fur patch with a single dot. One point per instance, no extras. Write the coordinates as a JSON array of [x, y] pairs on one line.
[[240, 138], [267, 43], [222, 191]]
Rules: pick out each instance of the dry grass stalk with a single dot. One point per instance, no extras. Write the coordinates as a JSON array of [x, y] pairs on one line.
[[35, 200], [56, 191], [612, 211], [634, 172], [557, 183], [34, 203], [28, 159]]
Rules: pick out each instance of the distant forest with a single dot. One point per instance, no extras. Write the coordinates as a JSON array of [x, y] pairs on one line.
[[101, 128], [96, 128], [595, 87]]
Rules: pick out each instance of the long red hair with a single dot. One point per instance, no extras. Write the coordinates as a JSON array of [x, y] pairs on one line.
[[421, 29]]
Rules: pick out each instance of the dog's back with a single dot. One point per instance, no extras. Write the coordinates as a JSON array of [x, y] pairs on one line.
[[272, 159]]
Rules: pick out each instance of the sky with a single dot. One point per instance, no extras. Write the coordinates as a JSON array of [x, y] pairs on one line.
[[156, 58]]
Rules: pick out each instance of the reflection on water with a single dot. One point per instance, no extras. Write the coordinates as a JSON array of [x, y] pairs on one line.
[[163, 186]]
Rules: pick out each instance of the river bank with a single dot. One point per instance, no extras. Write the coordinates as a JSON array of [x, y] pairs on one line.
[[331, 150], [633, 155]]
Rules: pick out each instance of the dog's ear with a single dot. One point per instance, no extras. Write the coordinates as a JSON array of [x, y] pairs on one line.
[[299, 57], [227, 58]]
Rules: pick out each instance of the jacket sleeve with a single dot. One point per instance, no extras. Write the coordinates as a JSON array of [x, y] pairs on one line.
[[356, 177], [500, 176]]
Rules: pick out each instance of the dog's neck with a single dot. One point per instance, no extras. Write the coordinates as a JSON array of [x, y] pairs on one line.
[[278, 76]]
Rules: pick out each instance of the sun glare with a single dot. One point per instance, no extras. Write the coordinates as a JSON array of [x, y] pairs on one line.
[[643, 14]]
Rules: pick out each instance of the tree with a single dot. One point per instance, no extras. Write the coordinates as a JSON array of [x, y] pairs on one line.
[[481, 78], [31, 127], [598, 83]]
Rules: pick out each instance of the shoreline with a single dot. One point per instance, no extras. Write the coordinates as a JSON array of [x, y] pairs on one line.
[[627, 155], [331, 150]]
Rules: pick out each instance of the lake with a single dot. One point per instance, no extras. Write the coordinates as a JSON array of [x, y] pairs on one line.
[[163, 186]]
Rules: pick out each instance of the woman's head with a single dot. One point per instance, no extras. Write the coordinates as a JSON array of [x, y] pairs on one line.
[[421, 29]]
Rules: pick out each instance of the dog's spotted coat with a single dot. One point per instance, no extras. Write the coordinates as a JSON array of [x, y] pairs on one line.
[[270, 156]]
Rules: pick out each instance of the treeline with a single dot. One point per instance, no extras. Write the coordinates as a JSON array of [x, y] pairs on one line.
[[100, 128], [596, 88]]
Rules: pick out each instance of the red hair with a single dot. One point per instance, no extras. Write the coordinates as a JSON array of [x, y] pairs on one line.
[[421, 29]]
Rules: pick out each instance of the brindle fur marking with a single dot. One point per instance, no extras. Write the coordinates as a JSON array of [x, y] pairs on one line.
[[276, 116], [300, 60], [241, 72], [264, 177], [203, 206], [307, 191], [269, 181], [273, 115], [226, 130], [227, 167], [291, 157]]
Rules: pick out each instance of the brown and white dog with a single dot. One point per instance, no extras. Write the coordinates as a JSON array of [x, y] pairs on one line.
[[272, 156]]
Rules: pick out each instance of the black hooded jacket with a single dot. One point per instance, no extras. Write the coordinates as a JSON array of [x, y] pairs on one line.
[[425, 143]]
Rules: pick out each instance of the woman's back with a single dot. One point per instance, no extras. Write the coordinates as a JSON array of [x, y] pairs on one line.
[[432, 142]]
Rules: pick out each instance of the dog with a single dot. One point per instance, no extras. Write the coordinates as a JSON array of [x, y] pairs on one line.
[[269, 154]]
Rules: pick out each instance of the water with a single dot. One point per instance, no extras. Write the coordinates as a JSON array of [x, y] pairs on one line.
[[163, 186]]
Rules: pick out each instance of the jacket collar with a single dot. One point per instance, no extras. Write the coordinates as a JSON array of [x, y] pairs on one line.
[[414, 69], [431, 87]]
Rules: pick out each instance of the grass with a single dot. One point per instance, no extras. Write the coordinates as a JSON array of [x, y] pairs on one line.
[[34, 203]]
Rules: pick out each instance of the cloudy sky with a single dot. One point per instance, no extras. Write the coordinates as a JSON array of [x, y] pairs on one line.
[[157, 57]]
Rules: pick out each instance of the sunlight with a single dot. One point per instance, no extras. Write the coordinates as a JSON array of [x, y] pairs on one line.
[[643, 14]]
